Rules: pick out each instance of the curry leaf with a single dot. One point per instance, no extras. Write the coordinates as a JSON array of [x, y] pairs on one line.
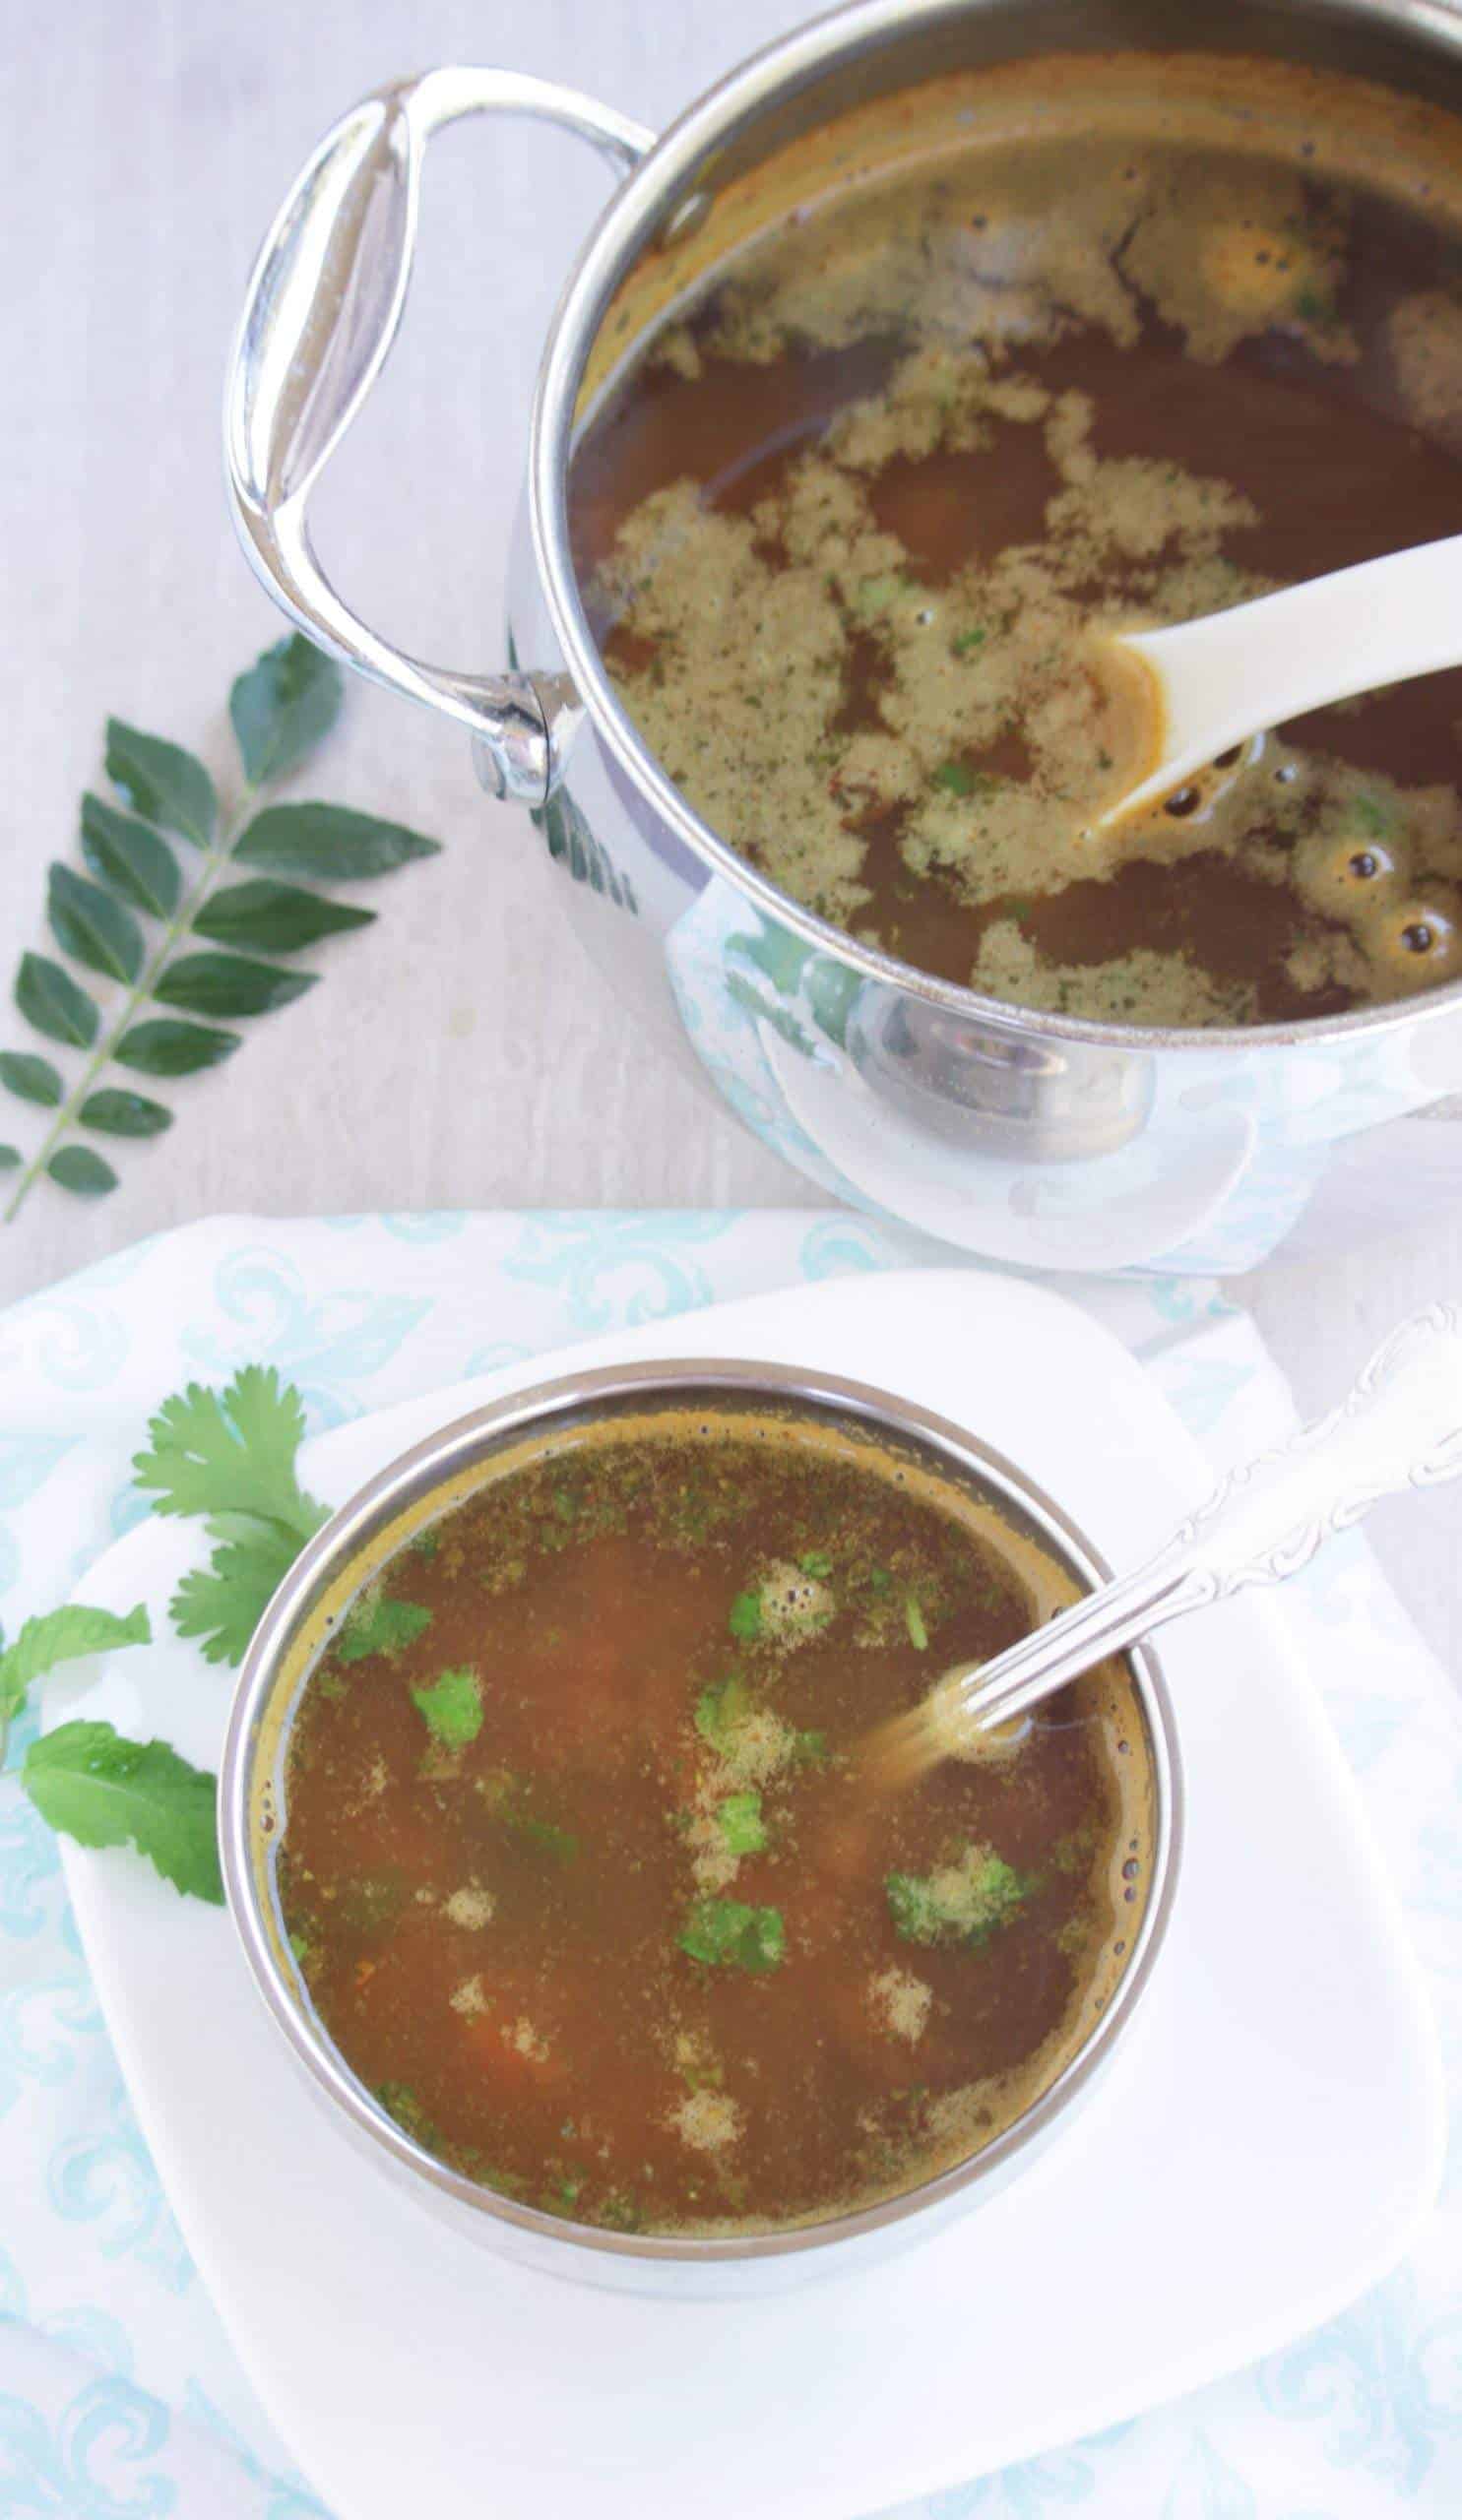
[[124, 1115], [130, 856], [330, 842], [283, 707], [160, 779], [81, 1169], [229, 985], [162, 1049], [49, 998], [275, 918], [95, 1786], [34, 1080], [90, 924]]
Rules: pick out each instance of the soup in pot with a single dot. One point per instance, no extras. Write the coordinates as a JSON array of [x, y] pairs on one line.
[[1098, 345], [585, 1873]]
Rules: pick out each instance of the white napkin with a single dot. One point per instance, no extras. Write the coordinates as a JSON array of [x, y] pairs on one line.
[[119, 2394]]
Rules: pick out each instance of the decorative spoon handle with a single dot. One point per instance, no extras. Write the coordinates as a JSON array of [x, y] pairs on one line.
[[1400, 1427]]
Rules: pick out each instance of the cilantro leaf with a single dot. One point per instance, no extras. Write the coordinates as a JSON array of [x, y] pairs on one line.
[[960, 1903], [720, 1709], [374, 1625], [95, 1786], [918, 1634], [232, 1452], [725, 1934], [453, 1708], [816, 1563], [739, 1821], [222, 1602], [745, 1616], [62, 1636], [228, 1457]]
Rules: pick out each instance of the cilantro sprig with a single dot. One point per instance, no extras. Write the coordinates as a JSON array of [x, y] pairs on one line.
[[229, 1458], [727, 1934]]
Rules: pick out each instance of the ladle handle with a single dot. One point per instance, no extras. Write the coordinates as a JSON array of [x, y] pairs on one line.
[[1400, 1427], [321, 313]]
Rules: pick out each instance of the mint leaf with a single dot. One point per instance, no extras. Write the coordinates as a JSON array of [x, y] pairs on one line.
[[283, 707], [230, 1452], [960, 1903], [329, 842], [133, 858], [161, 781], [739, 1821], [376, 1626], [92, 1784], [725, 1934], [49, 998], [62, 1636], [453, 1708]]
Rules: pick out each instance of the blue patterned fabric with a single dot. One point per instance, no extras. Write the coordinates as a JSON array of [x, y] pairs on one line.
[[120, 2397]]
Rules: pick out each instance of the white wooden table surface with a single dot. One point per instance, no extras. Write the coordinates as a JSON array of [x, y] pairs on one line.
[[462, 1052]]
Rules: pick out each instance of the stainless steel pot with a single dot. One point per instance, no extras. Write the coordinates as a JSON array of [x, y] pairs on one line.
[[253, 1814], [1040, 1141]]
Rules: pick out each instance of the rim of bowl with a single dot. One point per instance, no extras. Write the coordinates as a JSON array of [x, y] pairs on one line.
[[458, 1445], [628, 222]]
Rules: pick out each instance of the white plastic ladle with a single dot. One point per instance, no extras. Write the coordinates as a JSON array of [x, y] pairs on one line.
[[1233, 674]]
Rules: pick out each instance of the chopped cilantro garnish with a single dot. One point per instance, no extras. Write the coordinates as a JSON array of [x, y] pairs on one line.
[[739, 1821], [962, 1902], [968, 640], [879, 1580], [720, 1710], [956, 778], [561, 1843], [809, 1749], [725, 1934], [399, 2101], [453, 1708], [817, 1563], [918, 1634], [374, 1625], [745, 1616], [427, 1542]]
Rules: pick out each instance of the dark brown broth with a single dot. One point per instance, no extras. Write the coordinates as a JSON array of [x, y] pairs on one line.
[[1259, 903], [489, 1933]]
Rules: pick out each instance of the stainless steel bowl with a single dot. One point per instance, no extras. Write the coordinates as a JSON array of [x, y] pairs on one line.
[[1038, 1140], [252, 1811]]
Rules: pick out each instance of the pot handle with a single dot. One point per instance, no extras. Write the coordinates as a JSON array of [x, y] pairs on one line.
[[323, 304]]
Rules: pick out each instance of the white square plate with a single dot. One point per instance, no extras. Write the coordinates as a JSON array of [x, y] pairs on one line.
[[1260, 2152]]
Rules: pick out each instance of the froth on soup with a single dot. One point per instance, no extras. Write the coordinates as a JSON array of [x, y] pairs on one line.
[[956, 387]]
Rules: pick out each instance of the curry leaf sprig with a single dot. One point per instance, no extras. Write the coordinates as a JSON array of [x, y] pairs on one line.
[[229, 1458], [135, 919]]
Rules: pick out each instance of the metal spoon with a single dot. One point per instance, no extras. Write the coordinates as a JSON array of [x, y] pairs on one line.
[[1209, 684], [1401, 1428]]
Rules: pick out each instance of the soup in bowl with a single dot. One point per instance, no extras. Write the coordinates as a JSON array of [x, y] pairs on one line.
[[559, 1850]]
